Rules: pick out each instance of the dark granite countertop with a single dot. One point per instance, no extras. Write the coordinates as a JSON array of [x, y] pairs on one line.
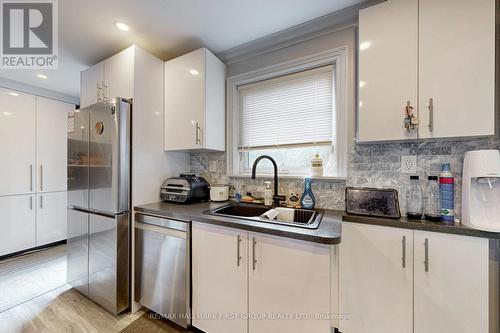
[[328, 232], [457, 228]]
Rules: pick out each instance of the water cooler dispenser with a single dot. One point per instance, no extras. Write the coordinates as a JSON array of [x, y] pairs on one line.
[[481, 190]]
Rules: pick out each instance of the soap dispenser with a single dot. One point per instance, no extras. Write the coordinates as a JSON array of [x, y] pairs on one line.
[[307, 200], [481, 190]]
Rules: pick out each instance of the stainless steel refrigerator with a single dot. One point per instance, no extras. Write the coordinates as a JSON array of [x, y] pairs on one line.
[[99, 202]]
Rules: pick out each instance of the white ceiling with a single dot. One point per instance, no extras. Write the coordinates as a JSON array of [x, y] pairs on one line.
[[167, 28]]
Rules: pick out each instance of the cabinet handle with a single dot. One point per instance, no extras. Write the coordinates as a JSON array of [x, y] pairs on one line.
[[426, 261], [238, 256], [403, 248], [31, 177], [41, 177], [41, 202], [197, 133], [431, 114], [254, 261], [31, 203]]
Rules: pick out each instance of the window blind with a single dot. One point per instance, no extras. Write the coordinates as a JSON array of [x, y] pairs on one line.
[[295, 109]]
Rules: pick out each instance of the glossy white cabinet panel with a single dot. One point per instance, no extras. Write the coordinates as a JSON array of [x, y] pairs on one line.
[[288, 277], [91, 90], [119, 75], [457, 67], [451, 294], [51, 124], [376, 279], [51, 217], [387, 69], [195, 102], [219, 278], [17, 142], [17, 223]]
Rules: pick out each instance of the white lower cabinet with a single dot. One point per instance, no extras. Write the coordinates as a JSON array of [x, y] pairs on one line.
[[442, 288], [451, 283], [17, 223], [376, 279], [51, 217], [260, 283]]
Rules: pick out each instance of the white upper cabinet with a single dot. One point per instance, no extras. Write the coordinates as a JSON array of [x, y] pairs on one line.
[[51, 126], [92, 80], [442, 51], [387, 69], [451, 283], [457, 68], [195, 102], [17, 142]]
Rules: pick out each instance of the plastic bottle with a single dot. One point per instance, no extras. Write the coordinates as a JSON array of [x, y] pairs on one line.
[[432, 211], [268, 194], [307, 200], [414, 199], [447, 193]]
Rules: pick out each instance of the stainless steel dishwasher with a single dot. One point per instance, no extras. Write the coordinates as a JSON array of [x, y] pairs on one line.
[[163, 267]]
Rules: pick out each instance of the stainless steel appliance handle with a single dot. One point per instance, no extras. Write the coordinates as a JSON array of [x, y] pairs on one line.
[[31, 177], [426, 260], [197, 133], [41, 177], [431, 114], [254, 261], [41, 202], [162, 230], [31, 202], [403, 258], [177, 188], [238, 256]]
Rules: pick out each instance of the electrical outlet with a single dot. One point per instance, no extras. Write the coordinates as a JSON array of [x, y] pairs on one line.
[[213, 166], [409, 164]]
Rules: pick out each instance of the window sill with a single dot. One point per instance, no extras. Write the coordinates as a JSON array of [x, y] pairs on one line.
[[332, 179]]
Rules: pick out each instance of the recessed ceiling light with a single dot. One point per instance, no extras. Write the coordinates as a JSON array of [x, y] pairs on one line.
[[364, 46], [122, 26], [194, 72], [13, 94], [7, 113], [362, 84], [42, 76]]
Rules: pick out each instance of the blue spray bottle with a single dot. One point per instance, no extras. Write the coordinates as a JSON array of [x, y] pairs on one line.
[[447, 193], [307, 200]]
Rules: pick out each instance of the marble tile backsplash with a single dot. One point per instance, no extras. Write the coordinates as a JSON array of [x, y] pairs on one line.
[[372, 165]]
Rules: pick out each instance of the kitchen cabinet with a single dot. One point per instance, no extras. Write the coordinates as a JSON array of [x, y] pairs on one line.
[[269, 283], [219, 278], [376, 279], [51, 144], [288, 278], [51, 217], [451, 283], [426, 295], [110, 78], [17, 142], [17, 223], [195, 102], [410, 48]]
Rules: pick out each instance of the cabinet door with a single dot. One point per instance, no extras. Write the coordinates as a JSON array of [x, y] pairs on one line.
[[17, 142], [376, 279], [387, 69], [91, 85], [17, 223], [51, 124], [184, 101], [119, 75], [288, 285], [51, 218], [451, 283], [457, 67], [219, 278]]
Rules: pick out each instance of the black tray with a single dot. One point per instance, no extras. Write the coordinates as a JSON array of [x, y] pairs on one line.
[[372, 202]]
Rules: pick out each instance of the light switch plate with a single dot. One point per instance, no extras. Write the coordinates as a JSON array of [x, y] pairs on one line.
[[409, 164], [212, 166]]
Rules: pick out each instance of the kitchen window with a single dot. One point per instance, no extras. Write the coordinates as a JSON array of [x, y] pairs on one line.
[[291, 116]]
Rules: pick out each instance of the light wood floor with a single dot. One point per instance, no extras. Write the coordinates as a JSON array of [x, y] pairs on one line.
[[63, 310]]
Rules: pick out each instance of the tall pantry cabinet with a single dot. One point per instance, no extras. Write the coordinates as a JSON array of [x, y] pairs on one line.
[[33, 170]]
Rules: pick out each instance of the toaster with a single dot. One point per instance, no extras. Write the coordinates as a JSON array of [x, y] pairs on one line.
[[186, 188]]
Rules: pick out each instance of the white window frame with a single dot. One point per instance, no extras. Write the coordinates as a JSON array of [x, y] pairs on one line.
[[336, 57]]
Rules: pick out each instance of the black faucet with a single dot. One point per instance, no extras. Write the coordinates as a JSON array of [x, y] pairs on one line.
[[276, 197]]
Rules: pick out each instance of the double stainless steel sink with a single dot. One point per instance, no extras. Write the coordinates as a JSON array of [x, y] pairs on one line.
[[301, 218]]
